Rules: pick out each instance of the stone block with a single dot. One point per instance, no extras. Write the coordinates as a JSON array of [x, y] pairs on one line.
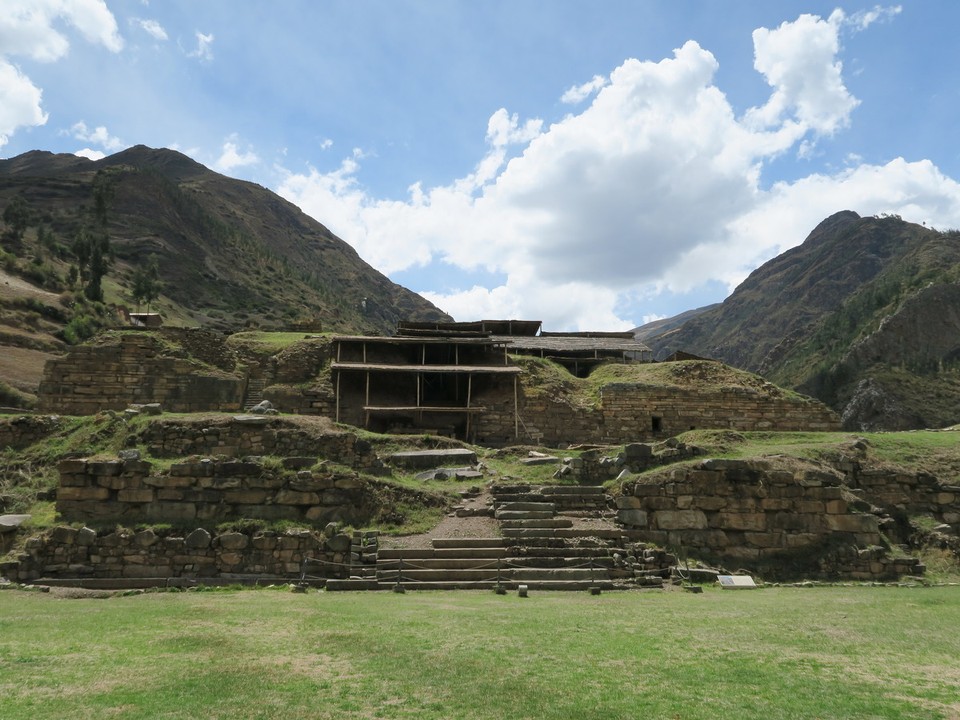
[[852, 523], [709, 503], [763, 540], [627, 502], [836, 507], [741, 521], [198, 539], [245, 497], [135, 496], [104, 467], [680, 520], [82, 493], [232, 541], [632, 517], [945, 498]]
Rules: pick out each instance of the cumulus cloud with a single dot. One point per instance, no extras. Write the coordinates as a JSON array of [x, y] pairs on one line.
[[153, 28], [98, 135], [90, 154], [579, 93], [232, 157], [798, 61], [654, 186], [19, 102], [28, 29]]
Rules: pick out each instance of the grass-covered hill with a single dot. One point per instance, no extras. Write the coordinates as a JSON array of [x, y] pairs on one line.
[[228, 255], [864, 315]]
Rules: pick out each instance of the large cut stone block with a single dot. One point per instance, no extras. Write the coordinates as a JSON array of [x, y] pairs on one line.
[[680, 520]]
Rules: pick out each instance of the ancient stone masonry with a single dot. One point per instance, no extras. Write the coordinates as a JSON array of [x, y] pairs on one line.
[[208, 492], [135, 368], [258, 435], [634, 412], [25, 430], [771, 519], [123, 555]]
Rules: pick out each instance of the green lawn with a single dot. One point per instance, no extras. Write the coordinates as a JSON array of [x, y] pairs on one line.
[[838, 652]]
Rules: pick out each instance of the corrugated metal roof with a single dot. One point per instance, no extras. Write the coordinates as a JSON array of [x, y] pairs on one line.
[[573, 343]]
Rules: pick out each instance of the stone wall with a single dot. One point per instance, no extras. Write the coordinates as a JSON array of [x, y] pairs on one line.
[[78, 554], [241, 436], [641, 413], [780, 521], [209, 492], [135, 368], [20, 431]]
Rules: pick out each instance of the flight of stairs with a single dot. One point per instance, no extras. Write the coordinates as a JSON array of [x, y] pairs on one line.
[[540, 547]]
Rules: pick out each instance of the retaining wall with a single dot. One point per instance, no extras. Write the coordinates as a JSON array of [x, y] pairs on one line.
[[780, 522], [125, 554], [136, 368]]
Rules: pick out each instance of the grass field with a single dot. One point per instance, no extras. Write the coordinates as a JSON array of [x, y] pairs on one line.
[[837, 652]]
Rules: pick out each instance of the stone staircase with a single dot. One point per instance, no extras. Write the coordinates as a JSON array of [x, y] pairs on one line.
[[545, 545], [254, 392]]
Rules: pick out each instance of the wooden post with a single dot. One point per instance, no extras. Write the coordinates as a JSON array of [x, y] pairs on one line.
[[516, 410], [366, 419], [338, 395]]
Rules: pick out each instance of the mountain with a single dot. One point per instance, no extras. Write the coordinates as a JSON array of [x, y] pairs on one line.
[[864, 315], [646, 333], [230, 255]]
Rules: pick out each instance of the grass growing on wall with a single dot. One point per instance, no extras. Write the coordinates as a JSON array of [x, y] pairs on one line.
[[774, 653]]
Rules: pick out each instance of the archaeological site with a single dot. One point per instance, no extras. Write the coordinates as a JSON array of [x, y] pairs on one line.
[[545, 460]]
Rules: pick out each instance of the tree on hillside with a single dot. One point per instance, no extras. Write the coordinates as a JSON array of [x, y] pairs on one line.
[[17, 217], [146, 283]]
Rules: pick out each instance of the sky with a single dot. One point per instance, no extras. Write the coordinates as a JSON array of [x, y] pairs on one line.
[[594, 165]]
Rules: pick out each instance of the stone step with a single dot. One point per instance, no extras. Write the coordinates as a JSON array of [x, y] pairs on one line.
[[435, 574], [521, 496], [522, 533], [423, 553], [525, 506], [425, 459], [524, 514], [551, 574], [573, 490], [440, 564], [487, 542], [511, 585], [547, 523], [559, 561], [563, 551]]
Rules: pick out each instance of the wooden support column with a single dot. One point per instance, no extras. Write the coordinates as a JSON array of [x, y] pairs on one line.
[[339, 373], [469, 391], [366, 415], [516, 409]]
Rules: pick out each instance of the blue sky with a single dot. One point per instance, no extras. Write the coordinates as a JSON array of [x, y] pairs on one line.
[[594, 165]]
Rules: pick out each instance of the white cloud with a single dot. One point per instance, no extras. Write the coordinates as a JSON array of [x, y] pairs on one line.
[[204, 49], [98, 135], [90, 154], [152, 28], [863, 19], [798, 61], [579, 93], [232, 157], [19, 102], [27, 28], [654, 186]]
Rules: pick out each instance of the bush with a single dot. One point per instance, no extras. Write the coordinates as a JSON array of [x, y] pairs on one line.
[[80, 328], [11, 397]]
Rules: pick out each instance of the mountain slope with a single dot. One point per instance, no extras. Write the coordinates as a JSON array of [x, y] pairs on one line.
[[230, 253], [864, 315]]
